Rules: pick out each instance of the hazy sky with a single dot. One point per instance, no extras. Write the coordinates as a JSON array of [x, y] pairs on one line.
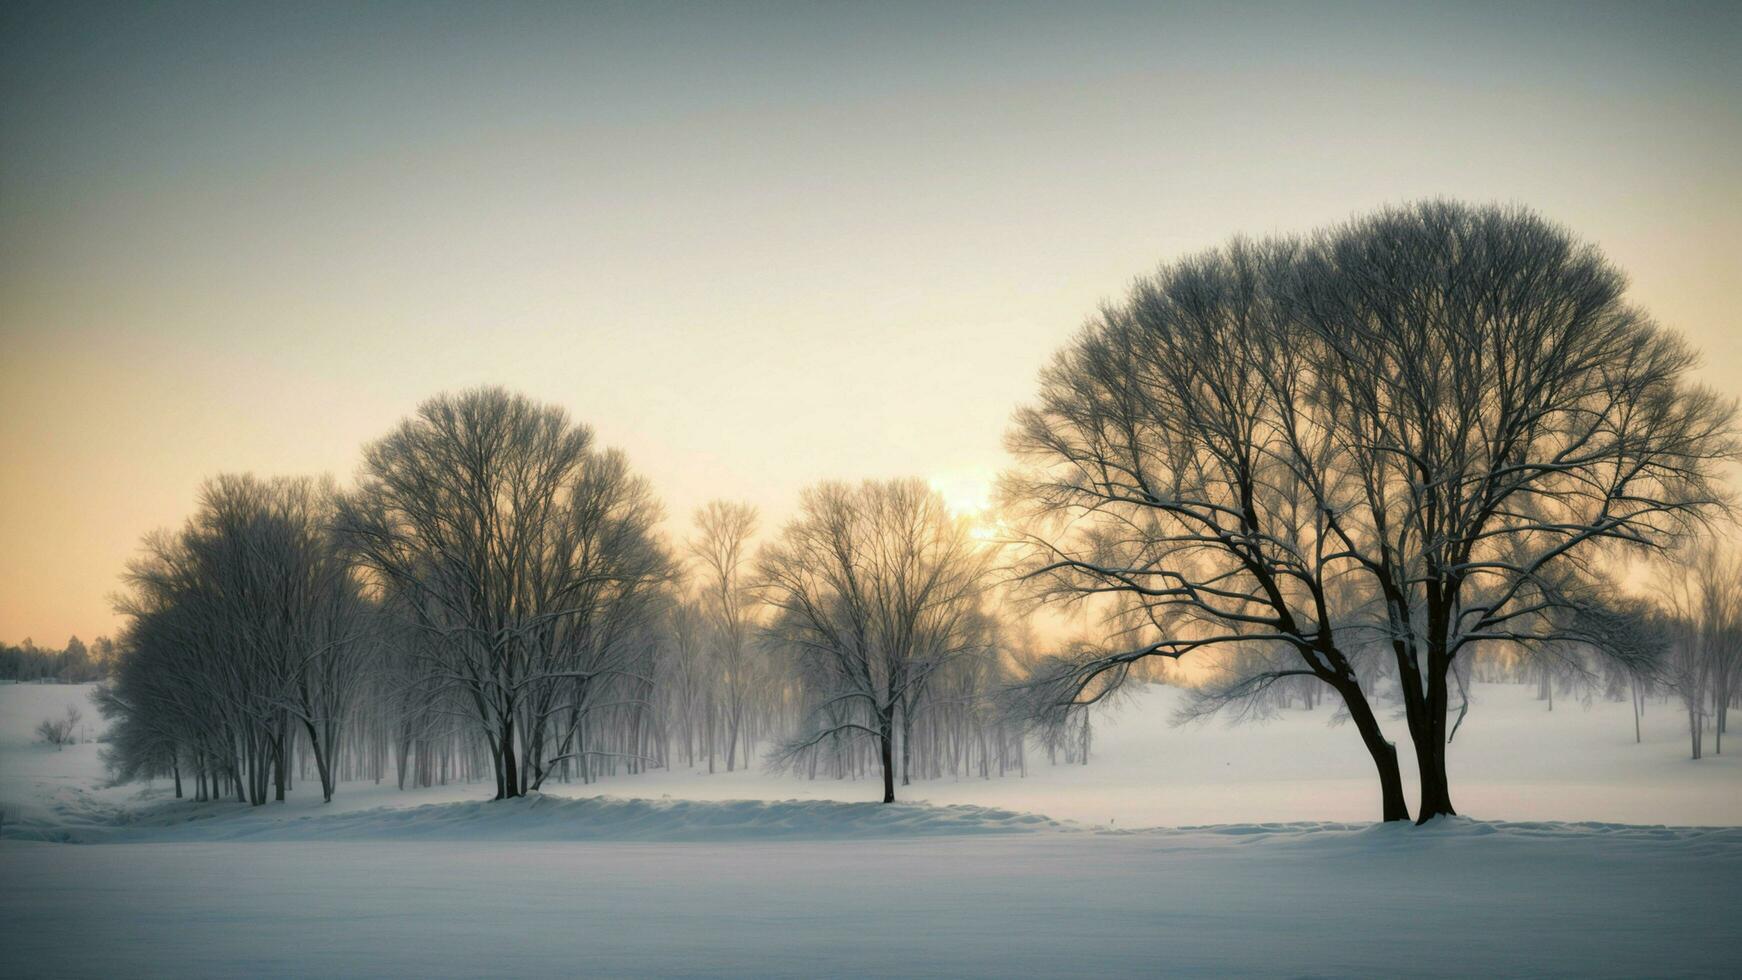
[[754, 245]]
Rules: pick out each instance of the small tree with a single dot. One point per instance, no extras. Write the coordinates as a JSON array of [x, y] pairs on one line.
[[873, 588], [721, 549], [62, 731]]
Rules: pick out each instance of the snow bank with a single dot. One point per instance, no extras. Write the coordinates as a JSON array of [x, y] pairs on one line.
[[533, 818], [1372, 841]]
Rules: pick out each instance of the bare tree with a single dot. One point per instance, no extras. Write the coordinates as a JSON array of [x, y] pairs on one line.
[[605, 573], [1405, 436], [1508, 415], [512, 546], [721, 550], [873, 589], [447, 516], [1165, 484], [1721, 637], [1701, 591], [60, 732], [318, 640], [684, 669]]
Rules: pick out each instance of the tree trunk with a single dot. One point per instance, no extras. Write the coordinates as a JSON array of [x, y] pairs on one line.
[[1392, 805], [906, 745], [708, 734], [1636, 736], [1430, 745], [732, 737], [510, 773], [321, 765], [277, 747], [887, 746], [1721, 703], [1436, 794]]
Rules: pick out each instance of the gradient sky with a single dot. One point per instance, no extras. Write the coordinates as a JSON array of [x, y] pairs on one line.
[[754, 245]]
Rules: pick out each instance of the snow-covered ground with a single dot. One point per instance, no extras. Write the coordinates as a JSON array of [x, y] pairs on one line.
[[1461, 900], [757, 875]]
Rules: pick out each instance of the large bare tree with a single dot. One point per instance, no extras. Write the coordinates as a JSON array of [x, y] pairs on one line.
[[1401, 437], [518, 550]]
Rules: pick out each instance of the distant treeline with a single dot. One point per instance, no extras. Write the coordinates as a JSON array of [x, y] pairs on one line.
[[74, 663]]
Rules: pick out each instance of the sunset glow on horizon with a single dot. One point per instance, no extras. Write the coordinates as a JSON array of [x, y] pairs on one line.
[[752, 247]]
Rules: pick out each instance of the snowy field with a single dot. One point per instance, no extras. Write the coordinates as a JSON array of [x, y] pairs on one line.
[[1558, 870]]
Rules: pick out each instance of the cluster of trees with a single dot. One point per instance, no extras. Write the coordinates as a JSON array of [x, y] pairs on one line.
[[244, 629], [74, 663], [494, 597], [1701, 599], [1359, 456], [1360, 467]]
